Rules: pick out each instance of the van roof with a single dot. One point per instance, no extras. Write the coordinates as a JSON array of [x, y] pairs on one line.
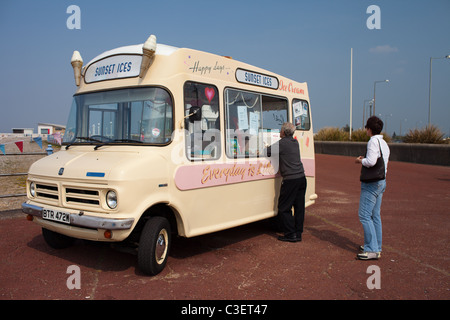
[[161, 49]]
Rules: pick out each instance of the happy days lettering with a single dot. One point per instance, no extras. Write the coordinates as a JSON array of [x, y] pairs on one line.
[[205, 69]]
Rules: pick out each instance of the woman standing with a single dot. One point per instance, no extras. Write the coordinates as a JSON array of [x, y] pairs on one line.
[[372, 189]]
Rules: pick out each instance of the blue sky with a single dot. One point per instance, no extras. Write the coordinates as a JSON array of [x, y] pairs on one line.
[[302, 40]]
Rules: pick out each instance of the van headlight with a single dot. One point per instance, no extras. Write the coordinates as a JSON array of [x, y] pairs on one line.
[[111, 199], [33, 189]]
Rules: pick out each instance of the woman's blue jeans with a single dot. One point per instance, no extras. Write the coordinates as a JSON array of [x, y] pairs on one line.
[[369, 214]]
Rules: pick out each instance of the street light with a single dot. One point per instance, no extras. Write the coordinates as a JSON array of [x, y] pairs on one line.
[[401, 126], [385, 121], [364, 111], [429, 95], [374, 86]]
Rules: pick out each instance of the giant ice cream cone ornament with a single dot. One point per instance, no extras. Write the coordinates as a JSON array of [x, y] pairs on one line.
[[77, 63], [148, 52]]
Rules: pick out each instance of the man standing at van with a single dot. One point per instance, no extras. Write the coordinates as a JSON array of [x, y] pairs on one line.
[[293, 186]]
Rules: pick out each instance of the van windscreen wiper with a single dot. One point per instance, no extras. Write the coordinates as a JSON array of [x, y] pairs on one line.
[[83, 138], [127, 140], [117, 140]]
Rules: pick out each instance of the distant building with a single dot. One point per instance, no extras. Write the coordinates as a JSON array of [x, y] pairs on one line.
[[24, 131], [49, 128]]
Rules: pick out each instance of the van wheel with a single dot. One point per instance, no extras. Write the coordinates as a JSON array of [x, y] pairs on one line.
[[57, 240], [154, 245]]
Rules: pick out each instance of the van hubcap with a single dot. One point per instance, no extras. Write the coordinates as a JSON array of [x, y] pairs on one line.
[[161, 246]]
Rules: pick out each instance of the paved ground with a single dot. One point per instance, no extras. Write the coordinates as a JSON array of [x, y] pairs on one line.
[[249, 263]]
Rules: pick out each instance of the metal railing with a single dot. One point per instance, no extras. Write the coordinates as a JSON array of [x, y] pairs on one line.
[[47, 152], [18, 174], [12, 175], [25, 154]]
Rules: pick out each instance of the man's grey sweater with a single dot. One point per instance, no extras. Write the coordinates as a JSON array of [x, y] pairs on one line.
[[291, 166]]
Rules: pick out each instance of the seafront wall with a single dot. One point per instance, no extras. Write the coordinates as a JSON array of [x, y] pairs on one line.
[[435, 154]]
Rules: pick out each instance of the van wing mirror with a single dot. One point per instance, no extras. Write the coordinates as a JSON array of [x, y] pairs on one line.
[[195, 114]]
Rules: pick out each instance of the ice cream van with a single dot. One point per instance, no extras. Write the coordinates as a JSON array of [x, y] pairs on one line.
[[163, 141]]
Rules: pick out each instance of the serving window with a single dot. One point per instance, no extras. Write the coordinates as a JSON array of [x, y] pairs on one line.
[[202, 121], [253, 120], [300, 115]]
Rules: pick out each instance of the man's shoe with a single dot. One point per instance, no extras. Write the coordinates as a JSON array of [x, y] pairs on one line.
[[289, 239], [368, 256]]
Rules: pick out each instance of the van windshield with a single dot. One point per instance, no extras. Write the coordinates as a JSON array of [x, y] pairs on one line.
[[138, 115]]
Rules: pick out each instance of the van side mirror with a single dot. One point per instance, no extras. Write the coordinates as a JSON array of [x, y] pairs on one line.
[[195, 114]]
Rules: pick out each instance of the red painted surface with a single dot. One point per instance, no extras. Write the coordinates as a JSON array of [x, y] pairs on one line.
[[249, 263]]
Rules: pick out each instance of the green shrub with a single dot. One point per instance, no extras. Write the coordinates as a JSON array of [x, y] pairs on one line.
[[360, 135], [331, 134], [336, 134], [429, 134]]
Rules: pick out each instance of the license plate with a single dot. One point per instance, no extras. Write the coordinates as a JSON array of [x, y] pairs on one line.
[[55, 215]]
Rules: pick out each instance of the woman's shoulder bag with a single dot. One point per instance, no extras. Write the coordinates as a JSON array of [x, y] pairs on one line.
[[375, 173]]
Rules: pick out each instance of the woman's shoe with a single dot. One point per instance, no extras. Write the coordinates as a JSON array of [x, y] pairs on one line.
[[368, 256], [361, 249]]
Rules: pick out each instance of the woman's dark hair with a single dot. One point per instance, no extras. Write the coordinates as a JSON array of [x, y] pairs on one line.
[[375, 124]]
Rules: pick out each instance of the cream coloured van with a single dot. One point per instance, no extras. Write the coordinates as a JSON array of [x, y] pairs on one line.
[[164, 141]]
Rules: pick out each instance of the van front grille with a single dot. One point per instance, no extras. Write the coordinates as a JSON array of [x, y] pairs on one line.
[[47, 191], [82, 196], [70, 196]]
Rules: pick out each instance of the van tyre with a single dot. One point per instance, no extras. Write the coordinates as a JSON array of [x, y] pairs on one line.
[[57, 240], [154, 245]]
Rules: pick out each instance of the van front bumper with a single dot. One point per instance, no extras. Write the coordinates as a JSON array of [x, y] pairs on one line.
[[81, 220]]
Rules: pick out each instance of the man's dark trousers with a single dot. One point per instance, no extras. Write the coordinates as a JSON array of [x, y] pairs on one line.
[[292, 194]]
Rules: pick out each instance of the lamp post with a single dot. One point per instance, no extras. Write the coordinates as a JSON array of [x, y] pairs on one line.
[[385, 121], [374, 86], [401, 126], [364, 111], [429, 94]]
